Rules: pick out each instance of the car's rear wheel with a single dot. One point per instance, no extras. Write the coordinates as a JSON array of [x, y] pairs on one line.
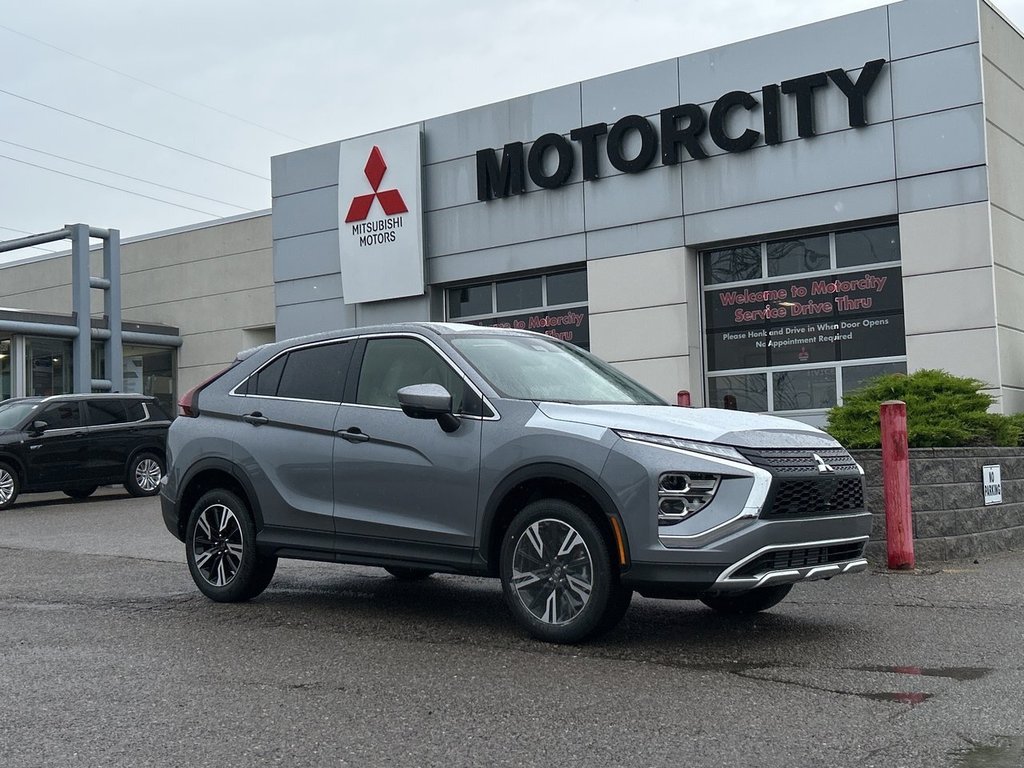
[[409, 574], [220, 547], [9, 486], [144, 473], [82, 492], [557, 574], [748, 602]]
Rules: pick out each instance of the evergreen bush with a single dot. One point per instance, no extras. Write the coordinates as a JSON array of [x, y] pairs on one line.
[[943, 410]]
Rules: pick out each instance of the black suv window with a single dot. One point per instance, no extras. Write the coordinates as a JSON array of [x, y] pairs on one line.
[[392, 363], [100, 413], [136, 412], [61, 416], [316, 373]]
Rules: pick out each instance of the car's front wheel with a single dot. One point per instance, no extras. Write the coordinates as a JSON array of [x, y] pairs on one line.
[[144, 473], [220, 547], [755, 600], [9, 486], [557, 574]]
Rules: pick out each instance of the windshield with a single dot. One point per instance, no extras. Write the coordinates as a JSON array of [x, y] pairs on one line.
[[539, 368], [11, 414]]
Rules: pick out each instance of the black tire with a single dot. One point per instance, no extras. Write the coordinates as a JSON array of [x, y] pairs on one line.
[[220, 547], [9, 485], [143, 474], [748, 602], [409, 574], [557, 574], [81, 493]]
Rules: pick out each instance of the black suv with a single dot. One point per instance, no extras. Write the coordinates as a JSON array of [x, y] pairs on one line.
[[76, 443]]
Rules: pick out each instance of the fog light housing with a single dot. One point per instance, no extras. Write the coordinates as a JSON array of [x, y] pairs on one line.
[[683, 494]]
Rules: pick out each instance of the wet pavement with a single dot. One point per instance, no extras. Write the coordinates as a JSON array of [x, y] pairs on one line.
[[109, 656]]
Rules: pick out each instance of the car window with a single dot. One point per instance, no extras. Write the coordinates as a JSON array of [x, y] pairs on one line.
[[136, 412], [316, 373], [61, 416], [11, 414], [103, 412], [392, 363], [265, 381]]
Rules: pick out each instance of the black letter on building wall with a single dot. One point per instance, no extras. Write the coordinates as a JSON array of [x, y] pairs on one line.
[[617, 138], [672, 135], [494, 182], [772, 114], [720, 113], [587, 137], [535, 161], [856, 93], [803, 89]]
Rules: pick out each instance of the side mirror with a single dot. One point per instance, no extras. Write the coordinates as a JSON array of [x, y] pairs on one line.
[[429, 401], [38, 427]]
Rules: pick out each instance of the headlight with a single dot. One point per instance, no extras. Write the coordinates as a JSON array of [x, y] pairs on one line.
[[682, 494], [711, 449]]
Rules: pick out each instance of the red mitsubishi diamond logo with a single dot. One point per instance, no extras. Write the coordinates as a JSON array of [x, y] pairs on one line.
[[390, 199]]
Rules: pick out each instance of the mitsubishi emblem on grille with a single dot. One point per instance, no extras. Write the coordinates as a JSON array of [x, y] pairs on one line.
[[823, 466]]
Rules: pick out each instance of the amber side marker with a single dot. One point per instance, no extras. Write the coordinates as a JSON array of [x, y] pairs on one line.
[[618, 540]]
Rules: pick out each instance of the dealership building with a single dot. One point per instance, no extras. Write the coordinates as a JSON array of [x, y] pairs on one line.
[[764, 225]]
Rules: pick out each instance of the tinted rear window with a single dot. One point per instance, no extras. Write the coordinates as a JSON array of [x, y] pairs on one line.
[[102, 412]]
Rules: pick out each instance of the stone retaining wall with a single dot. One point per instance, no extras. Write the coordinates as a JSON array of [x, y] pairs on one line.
[[951, 521]]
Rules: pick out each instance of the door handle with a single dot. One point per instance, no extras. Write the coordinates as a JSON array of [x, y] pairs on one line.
[[353, 435], [255, 418]]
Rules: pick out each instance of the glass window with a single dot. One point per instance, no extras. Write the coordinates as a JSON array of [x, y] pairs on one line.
[[265, 381], [567, 288], [49, 366], [748, 392], [315, 373], [856, 376], [150, 371], [868, 246], [11, 414], [519, 294], [470, 300], [61, 416], [6, 382], [804, 390], [136, 412], [729, 265], [101, 412], [806, 254], [392, 363], [528, 368]]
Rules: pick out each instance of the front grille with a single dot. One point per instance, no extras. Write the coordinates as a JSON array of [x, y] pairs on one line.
[[781, 461], [814, 497], [787, 559]]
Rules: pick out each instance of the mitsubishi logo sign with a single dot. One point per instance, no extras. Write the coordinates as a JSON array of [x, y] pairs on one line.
[[380, 231], [823, 466], [390, 199]]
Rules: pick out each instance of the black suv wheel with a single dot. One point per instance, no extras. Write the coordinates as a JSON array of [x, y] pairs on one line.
[[220, 547], [557, 574], [144, 473], [8, 486]]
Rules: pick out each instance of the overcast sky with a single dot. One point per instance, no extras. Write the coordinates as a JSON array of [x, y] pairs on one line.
[[298, 74]]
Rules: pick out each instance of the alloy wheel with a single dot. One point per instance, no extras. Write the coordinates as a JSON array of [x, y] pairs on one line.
[[217, 544], [552, 571], [147, 474], [7, 486]]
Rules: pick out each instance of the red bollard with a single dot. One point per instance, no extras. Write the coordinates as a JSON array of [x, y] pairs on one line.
[[899, 529], [683, 398]]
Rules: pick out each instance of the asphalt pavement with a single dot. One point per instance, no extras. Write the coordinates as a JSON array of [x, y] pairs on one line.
[[109, 656]]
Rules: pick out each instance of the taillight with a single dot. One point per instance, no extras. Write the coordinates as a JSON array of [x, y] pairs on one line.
[[188, 404]]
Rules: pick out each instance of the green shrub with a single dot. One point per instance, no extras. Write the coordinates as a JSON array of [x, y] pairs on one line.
[[943, 410]]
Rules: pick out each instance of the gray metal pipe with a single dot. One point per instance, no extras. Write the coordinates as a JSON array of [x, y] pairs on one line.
[[39, 329], [103, 385], [30, 240], [154, 339]]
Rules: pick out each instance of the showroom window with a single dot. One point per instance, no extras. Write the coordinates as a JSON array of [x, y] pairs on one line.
[[49, 366], [6, 367], [554, 303], [791, 324]]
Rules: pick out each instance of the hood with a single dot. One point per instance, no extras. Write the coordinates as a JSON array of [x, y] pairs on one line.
[[709, 425]]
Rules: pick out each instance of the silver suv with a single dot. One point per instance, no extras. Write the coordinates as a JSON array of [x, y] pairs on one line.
[[429, 447]]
